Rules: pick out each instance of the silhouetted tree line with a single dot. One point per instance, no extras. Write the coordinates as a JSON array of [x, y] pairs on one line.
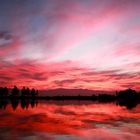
[[15, 92], [129, 97]]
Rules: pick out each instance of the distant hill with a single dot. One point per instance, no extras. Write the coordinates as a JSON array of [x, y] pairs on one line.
[[73, 92]]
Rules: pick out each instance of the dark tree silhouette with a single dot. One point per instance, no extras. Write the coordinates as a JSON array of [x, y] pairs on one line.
[[27, 91], [1, 91], [33, 93], [23, 92], [5, 90], [127, 95], [15, 91], [129, 98]]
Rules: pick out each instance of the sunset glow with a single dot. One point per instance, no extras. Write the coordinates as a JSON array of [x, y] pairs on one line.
[[82, 44]]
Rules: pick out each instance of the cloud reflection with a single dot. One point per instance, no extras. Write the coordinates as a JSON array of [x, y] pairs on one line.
[[87, 121]]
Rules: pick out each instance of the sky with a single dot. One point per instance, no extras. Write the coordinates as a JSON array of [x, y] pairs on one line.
[[86, 44]]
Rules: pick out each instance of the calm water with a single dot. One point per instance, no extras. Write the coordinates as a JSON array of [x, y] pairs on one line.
[[68, 121]]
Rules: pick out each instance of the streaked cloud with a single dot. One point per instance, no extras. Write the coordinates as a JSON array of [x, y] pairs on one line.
[[71, 44]]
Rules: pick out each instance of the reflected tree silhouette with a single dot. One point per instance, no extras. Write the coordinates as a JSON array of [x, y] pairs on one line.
[[3, 104], [14, 103]]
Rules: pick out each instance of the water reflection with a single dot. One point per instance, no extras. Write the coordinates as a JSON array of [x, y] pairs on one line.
[[72, 120], [24, 103]]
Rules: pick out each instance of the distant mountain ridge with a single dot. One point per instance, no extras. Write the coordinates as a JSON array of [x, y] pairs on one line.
[[72, 92]]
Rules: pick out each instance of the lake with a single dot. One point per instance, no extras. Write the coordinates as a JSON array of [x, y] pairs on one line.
[[68, 120]]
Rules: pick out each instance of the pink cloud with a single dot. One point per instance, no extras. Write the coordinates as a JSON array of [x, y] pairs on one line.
[[72, 45], [65, 75]]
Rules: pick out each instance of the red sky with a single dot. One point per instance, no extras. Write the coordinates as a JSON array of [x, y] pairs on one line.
[[87, 44]]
